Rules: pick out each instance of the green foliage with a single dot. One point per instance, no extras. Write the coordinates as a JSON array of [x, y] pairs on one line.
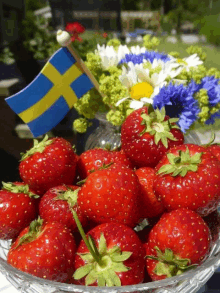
[[41, 39], [80, 125], [114, 42], [151, 43], [209, 26], [166, 23], [197, 50], [174, 54], [206, 110], [6, 56], [32, 5], [38, 38]]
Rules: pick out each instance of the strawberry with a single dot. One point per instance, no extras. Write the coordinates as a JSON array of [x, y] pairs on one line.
[[146, 136], [213, 146], [151, 206], [97, 158], [48, 163], [179, 241], [18, 207], [215, 150], [92, 160], [188, 176], [119, 157], [110, 255], [111, 195], [45, 250], [57, 204]]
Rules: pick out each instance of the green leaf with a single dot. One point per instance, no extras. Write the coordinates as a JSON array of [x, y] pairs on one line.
[[120, 267], [101, 280], [166, 169], [121, 257], [114, 278], [82, 271], [87, 257], [102, 244], [164, 142], [114, 249], [91, 278], [196, 159]]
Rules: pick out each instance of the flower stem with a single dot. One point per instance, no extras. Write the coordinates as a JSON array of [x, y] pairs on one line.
[[94, 253]]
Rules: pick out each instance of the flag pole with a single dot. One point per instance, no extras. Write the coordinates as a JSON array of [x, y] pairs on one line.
[[64, 39]]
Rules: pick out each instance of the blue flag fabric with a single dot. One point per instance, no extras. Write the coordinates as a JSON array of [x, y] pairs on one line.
[[49, 97]]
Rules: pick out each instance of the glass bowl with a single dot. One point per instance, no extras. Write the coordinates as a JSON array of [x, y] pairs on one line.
[[189, 282]]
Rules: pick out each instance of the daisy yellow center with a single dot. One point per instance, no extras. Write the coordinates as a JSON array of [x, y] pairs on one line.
[[141, 90], [181, 61]]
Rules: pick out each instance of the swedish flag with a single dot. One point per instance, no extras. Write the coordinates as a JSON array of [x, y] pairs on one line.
[[48, 98]]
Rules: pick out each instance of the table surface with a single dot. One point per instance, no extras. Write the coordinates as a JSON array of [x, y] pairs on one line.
[[211, 287]]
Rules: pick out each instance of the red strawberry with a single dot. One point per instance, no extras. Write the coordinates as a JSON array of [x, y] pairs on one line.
[[56, 205], [180, 239], [188, 176], [215, 150], [18, 207], [146, 137], [119, 157], [49, 163], [111, 195], [151, 206], [45, 250], [97, 158], [118, 261], [92, 160]]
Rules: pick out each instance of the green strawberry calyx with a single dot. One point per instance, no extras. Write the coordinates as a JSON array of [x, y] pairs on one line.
[[9, 186], [35, 229], [37, 147], [102, 263], [181, 163], [68, 195], [170, 264], [156, 126]]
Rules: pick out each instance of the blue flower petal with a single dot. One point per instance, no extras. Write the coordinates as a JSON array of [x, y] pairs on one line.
[[179, 102], [148, 55]]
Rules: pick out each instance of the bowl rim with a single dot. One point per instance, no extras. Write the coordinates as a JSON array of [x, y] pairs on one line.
[[213, 260]]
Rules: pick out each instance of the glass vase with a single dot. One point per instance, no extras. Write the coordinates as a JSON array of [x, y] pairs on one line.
[[105, 135], [108, 135]]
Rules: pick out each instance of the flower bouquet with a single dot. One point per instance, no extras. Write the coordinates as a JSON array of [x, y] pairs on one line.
[[131, 77]]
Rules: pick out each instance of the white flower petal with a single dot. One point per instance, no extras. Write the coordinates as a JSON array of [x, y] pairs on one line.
[[120, 101], [136, 104], [147, 100]]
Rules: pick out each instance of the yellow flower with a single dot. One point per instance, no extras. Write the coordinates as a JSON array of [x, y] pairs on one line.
[[141, 90]]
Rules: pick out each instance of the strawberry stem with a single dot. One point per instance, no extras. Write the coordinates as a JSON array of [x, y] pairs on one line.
[[94, 252], [211, 141]]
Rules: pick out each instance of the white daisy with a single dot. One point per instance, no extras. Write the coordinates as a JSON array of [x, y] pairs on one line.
[[111, 57], [141, 85], [137, 50], [191, 61]]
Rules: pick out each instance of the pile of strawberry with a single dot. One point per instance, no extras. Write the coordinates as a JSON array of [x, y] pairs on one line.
[[80, 219]]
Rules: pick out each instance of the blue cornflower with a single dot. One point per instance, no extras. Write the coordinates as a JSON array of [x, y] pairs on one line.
[[179, 102], [211, 84], [212, 118], [148, 55]]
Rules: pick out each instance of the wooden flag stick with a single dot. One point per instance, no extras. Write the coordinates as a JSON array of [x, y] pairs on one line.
[[64, 39]]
